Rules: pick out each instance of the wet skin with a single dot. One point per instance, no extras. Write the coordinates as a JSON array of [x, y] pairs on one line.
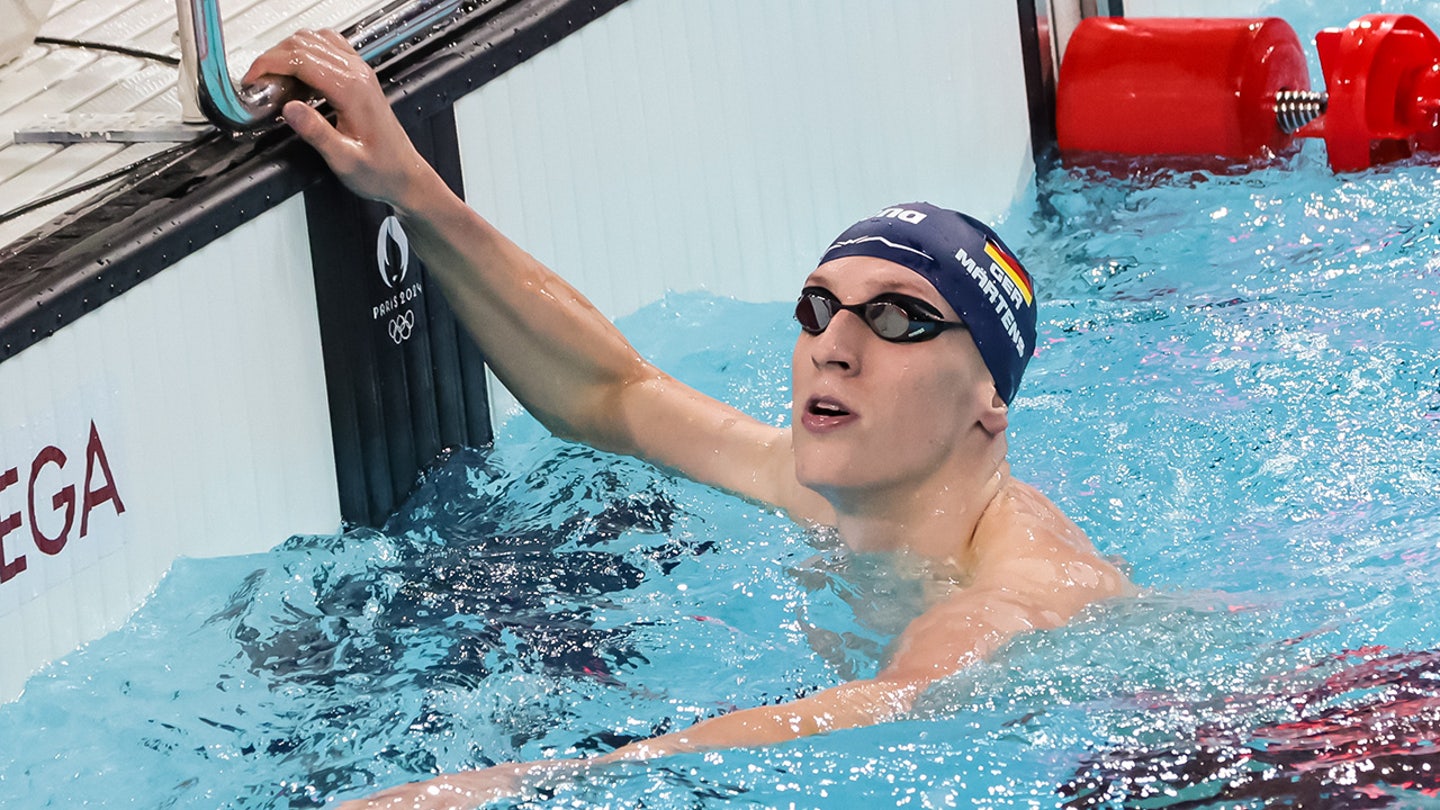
[[901, 447], [883, 429]]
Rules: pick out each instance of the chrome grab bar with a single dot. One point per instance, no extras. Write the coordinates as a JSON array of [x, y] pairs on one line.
[[253, 106]]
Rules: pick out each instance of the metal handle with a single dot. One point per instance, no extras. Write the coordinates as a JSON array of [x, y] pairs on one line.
[[254, 106]]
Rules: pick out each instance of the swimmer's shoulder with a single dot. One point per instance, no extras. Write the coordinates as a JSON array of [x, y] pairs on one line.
[[1021, 509], [1032, 544]]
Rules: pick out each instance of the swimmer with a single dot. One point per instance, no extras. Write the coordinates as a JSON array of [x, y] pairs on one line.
[[915, 329]]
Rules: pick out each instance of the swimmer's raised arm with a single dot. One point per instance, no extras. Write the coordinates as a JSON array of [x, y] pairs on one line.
[[559, 355]]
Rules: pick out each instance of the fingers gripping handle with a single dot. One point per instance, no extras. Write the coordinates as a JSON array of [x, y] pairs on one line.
[[258, 104]]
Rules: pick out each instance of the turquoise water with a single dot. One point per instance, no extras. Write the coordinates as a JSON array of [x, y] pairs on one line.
[[1238, 393]]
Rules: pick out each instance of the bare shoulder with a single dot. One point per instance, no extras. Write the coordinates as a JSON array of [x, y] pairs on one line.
[[1030, 568], [1027, 546]]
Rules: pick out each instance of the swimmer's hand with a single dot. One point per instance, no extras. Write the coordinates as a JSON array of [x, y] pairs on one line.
[[465, 791], [366, 147]]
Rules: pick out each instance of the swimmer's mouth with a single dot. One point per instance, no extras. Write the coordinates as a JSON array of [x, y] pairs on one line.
[[825, 407]]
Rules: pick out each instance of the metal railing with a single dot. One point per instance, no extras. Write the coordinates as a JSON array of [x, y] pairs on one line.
[[243, 109]]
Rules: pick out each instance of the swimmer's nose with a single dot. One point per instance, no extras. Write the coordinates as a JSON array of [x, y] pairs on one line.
[[839, 346]]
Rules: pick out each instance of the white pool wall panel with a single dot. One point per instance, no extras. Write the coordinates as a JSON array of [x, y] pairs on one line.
[[206, 387], [721, 145]]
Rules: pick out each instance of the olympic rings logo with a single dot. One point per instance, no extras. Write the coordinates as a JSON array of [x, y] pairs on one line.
[[401, 326]]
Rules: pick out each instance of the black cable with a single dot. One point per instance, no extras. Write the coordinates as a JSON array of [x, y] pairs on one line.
[[105, 46], [86, 185]]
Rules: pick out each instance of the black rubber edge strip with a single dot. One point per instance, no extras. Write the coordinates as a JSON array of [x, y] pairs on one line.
[[1035, 54]]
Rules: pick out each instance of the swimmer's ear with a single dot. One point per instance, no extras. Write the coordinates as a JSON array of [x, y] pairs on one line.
[[996, 418]]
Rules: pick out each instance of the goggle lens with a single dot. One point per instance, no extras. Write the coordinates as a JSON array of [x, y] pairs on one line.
[[888, 320], [893, 317]]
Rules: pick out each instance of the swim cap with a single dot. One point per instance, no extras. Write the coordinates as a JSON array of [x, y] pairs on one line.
[[970, 267]]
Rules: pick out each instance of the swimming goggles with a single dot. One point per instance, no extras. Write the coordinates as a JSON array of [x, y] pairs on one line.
[[892, 316]]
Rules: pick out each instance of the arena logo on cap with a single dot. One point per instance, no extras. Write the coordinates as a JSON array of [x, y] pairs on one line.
[[903, 214], [990, 284]]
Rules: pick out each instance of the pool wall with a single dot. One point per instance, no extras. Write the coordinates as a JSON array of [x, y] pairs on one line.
[[237, 351], [187, 417]]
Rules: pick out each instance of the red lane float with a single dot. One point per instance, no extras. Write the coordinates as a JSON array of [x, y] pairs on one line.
[[1383, 76], [1238, 89], [1177, 86]]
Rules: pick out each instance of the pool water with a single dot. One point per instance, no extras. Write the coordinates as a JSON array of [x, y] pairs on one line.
[[1237, 392]]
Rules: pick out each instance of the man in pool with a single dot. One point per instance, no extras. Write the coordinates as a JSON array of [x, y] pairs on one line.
[[915, 330]]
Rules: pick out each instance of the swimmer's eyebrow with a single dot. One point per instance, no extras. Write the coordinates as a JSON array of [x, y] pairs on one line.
[[816, 278], [910, 284]]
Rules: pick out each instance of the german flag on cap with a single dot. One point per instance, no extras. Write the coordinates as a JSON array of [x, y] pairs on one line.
[[1012, 269]]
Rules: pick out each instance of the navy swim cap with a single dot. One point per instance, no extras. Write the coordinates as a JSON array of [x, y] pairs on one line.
[[970, 267]]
